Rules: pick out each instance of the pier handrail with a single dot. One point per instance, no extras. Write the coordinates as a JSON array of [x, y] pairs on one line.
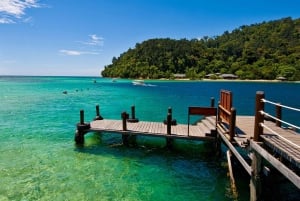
[[277, 119], [261, 115], [278, 104], [278, 115]]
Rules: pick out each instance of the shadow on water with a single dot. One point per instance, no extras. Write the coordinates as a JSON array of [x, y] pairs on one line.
[[189, 158], [152, 150], [95, 143]]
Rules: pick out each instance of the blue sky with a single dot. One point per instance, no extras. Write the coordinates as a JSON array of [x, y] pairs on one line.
[[80, 37]]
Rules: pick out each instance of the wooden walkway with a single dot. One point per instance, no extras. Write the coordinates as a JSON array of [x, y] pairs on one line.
[[202, 131], [274, 148], [287, 145], [205, 130]]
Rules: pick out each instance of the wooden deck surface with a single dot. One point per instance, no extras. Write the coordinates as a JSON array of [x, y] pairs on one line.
[[200, 131], [287, 147]]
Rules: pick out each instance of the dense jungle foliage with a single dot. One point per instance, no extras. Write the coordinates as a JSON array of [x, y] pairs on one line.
[[259, 51]]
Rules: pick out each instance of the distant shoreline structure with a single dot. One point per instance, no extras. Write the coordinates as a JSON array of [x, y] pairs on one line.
[[209, 80]]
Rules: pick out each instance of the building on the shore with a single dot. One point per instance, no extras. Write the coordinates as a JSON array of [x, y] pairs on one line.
[[222, 76], [208, 76], [229, 76], [179, 76], [281, 78]]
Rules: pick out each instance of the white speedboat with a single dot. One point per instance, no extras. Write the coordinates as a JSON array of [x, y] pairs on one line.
[[138, 82]]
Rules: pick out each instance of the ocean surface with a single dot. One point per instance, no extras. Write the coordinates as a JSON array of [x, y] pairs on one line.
[[40, 161]]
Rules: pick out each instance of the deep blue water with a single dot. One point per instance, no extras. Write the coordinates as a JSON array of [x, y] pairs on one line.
[[39, 160]]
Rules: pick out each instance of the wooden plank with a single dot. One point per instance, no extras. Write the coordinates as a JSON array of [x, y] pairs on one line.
[[156, 129], [290, 153], [286, 133], [237, 154], [212, 119], [230, 169], [292, 176], [211, 126], [203, 128]]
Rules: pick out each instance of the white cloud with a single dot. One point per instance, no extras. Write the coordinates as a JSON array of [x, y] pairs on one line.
[[11, 10], [94, 40], [70, 52], [76, 53], [91, 47], [6, 21]]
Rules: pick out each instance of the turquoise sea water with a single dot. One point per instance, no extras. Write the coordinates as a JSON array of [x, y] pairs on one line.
[[39, 160]]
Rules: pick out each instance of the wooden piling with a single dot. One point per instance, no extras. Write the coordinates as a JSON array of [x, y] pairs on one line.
[[82, 128], [169, 141], [169, 123], [255, 181], [218, 142], [124, 117], [133, 112], [230, 170], [125, 137], [81, 117], [133, 119], [212, 102], [259, 118], [98, 116], [173, 121]]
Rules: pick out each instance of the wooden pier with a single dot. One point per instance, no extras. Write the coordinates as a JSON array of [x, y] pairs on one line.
[[157, 129], [267, 142]]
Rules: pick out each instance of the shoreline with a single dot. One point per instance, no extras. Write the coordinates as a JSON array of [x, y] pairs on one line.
[[161, 79], [207, 80]]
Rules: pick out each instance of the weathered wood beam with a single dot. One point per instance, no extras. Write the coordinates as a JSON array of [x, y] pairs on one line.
[[236, 154], [289, 174]]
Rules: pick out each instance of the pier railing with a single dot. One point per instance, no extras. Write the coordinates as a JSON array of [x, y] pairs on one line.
[[261, 115], [227, 113]]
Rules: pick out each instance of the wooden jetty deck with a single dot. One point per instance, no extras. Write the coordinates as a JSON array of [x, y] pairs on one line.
[[201, 131], [263, 140], [287, 144]]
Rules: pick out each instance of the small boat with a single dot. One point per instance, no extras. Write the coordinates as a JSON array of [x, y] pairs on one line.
[[138, 82]]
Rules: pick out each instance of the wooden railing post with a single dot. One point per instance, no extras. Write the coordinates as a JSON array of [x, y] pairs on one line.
[[278, 114], [212, 102], [232, 123], [98, 116], [259, 118], [81, 117], [124, 116], [173, 121], [82, 128], [170, 112], [169, 123], [133, 112], [218, 113], [132, 119]]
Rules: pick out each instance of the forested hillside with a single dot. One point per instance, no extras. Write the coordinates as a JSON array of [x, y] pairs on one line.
[[259, 51]]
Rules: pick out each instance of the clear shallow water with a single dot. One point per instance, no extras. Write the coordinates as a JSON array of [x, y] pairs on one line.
[[39, 161]]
